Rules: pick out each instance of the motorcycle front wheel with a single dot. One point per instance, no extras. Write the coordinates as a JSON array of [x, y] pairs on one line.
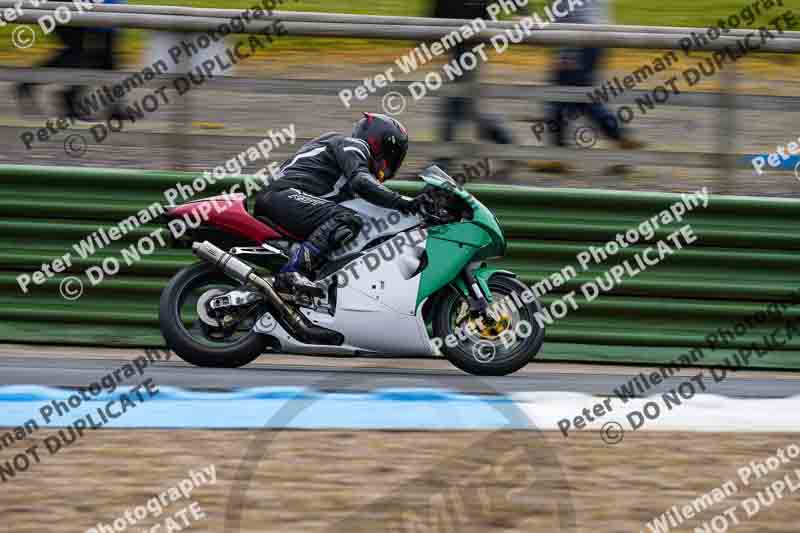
[[494, 345]]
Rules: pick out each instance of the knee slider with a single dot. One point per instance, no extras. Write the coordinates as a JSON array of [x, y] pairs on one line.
[[348, 227], [336, 231]]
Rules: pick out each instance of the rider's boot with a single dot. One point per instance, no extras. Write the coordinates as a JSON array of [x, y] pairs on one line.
[[293, 277]]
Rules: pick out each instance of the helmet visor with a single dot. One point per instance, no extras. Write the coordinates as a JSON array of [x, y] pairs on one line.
[[393, 158]]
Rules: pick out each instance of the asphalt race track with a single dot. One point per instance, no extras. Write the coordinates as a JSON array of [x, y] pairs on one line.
[[21, 367]]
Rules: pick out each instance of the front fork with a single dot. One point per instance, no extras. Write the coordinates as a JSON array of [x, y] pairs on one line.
[[473, 284]]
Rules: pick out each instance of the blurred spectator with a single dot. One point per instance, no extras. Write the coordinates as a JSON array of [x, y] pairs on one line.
[[101, 46], [90, 48], [578, 67], [460, 108]]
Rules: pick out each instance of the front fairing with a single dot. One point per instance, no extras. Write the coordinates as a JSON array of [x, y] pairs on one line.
[[482, 218], [451, 247]]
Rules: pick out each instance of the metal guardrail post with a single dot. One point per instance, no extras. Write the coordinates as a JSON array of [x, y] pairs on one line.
[[473, 91], [726, 145], [182, 126]]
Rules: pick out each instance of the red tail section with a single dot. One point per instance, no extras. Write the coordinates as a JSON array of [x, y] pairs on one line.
[[229, 214]]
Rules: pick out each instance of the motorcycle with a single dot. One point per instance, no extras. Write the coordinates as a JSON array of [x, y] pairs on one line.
[[408, 285]]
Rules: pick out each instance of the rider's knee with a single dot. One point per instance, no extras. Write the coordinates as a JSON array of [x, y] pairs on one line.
[[348, 227]]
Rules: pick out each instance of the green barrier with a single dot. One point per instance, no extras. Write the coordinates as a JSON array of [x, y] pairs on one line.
[[745, 258]]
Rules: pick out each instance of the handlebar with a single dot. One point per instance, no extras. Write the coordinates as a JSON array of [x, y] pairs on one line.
[[425, 203]]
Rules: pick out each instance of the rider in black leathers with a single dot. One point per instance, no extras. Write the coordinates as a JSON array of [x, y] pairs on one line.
[[326, 171]]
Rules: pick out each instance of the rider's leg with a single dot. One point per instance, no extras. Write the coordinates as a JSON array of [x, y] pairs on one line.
[[325, 226], [341, 227]]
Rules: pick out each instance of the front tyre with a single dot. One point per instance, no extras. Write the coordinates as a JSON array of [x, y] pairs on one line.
[[226, 341], [494, 345]]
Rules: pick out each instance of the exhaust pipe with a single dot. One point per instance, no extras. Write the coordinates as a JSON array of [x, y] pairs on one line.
[[291, 320]]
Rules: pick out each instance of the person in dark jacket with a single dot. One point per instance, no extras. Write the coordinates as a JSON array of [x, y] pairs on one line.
[[459, 108], [90, 48], [326, 171], [579, 67]]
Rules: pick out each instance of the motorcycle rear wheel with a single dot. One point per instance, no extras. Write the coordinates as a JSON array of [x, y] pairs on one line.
[[195, 340]]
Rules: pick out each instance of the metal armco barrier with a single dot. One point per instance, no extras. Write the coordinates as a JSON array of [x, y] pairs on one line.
[[746, 256], [724, 157], [385, 27]]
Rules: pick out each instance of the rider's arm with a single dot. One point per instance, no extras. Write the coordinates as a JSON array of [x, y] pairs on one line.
[[353, 158], [371, 190]]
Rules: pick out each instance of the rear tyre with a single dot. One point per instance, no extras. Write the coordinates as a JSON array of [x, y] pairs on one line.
[[230, 344], [485, 348]]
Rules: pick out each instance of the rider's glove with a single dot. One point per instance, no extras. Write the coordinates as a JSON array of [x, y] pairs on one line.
[[406, 206]]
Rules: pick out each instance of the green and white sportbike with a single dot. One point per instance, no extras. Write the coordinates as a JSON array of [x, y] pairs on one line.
[[408, 285]]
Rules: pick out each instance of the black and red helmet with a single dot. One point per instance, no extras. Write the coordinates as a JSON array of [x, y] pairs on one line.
[[388, 140]]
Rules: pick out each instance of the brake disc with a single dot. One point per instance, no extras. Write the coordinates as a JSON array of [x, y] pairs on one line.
[[202, 310]]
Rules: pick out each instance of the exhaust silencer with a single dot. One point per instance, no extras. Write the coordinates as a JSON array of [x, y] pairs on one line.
[[228, 264], [292, 321]]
